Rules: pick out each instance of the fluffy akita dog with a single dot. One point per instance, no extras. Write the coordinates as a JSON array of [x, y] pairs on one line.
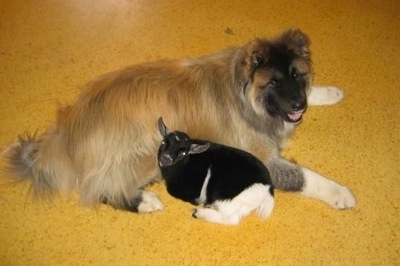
[[249, 97]]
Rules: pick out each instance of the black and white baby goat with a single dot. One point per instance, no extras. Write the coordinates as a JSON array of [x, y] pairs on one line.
[[231, 183]]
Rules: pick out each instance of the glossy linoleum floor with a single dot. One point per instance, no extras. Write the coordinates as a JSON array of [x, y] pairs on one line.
[[50, 49]]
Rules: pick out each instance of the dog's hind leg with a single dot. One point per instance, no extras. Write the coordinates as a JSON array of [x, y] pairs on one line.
[[141, 202], [324, 95], [288, 176], [118, 187]]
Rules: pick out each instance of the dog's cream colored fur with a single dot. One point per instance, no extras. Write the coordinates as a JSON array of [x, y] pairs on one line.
[[106, 143]]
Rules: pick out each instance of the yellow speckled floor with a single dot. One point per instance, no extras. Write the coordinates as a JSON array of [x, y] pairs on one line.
[[49, 49]]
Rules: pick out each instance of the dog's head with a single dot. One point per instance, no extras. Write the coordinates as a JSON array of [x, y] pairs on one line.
[[275, 75]]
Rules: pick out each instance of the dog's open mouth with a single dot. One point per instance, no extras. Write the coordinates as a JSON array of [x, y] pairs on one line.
[[295, 117]]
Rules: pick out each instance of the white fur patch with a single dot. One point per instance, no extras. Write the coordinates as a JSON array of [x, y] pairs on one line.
[[150, 203], [325, 95], [203, 193], [319, 187], [230, 212]]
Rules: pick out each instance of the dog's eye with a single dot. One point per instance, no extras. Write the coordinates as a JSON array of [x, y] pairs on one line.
[[273, 83], [295, 75]]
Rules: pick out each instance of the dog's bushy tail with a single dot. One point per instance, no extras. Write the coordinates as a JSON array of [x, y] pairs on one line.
[[42, 161], [21, 157]]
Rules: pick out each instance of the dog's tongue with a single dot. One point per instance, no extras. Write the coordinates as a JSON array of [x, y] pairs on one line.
[[295, 117]]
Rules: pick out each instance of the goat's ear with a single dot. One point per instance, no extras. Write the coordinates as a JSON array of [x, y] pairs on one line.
[[196, 148], [162, 127]]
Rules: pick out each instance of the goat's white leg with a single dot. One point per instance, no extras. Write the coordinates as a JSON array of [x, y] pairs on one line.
[[230, 212], [214, 216]]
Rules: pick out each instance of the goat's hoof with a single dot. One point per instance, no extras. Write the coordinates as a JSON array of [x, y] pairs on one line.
[[194, 213]]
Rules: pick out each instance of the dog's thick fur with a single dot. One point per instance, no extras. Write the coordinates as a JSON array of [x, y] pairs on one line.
[[247, 97]]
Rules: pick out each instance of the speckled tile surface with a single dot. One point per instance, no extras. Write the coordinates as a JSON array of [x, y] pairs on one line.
[[50, 49]]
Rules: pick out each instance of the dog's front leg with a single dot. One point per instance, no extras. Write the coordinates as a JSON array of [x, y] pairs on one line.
[[288, 176], [324, 95]]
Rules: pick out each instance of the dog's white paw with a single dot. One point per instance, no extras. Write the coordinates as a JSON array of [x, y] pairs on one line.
[[150, 203], [325, 96], [322, 188], [340, 197]]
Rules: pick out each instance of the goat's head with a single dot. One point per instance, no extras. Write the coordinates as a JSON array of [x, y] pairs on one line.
[[176, 146]]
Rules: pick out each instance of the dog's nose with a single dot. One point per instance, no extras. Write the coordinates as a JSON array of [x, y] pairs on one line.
[[298, 105]]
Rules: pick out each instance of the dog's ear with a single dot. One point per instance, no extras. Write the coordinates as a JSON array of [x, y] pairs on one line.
[[255, 53], [297, 41]]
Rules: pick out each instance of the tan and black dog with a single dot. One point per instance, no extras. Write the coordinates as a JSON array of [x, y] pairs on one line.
[[249, 97]]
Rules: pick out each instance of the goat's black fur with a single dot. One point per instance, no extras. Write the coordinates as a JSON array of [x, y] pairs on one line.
[[186, 164]]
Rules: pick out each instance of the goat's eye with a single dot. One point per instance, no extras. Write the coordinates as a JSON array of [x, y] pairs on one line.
[[182, 153], [295, 75]]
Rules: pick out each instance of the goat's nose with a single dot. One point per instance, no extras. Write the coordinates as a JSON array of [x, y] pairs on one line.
[[165, 159]]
